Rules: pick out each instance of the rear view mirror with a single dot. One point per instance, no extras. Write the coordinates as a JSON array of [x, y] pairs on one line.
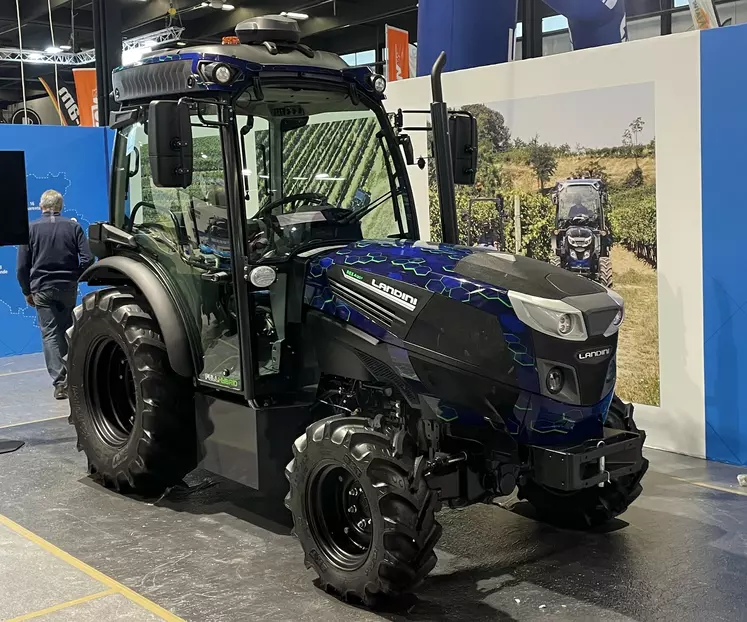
[[463, 133], [170, 149], [290, 124], [406, 143]]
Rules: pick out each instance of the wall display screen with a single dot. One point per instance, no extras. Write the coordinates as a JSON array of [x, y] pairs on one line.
[[14, 206]]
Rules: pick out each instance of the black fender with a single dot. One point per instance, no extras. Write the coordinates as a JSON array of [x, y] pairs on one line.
[[113, 270]]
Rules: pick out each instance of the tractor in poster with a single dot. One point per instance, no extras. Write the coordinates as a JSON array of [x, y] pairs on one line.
[[581, 240], [370, 376]]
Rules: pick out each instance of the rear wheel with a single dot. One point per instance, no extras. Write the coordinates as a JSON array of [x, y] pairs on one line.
[[593, 506], [134, 416], [365, 520], [605, 271]]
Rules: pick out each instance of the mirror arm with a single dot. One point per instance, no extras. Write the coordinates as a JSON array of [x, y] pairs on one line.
[[195, 104]]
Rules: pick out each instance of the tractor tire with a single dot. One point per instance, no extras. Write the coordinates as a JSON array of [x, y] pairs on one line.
[[605, 271], [133, 415], [591, 507], [555, 261], [365, 519]]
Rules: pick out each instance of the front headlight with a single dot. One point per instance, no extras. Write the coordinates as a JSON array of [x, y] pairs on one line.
[[619, 317], [587, 254], [551, 317]]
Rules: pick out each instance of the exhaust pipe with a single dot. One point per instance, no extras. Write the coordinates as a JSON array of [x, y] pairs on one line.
[[442, 153]]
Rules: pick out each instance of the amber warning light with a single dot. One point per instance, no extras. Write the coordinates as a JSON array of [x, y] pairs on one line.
[[231, 41]]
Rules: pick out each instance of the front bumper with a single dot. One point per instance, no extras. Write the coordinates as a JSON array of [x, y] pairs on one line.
[[594, 462]]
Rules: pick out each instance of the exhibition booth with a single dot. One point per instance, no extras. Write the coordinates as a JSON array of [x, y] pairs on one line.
[[668, 107], [658, 119]]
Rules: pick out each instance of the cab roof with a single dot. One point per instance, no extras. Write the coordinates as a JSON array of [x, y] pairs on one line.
[[188, 71]]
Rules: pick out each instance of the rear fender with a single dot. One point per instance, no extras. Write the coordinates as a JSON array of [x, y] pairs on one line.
[[118, 270]]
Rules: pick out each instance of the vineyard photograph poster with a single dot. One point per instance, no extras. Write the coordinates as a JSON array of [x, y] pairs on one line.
[[549, 165]]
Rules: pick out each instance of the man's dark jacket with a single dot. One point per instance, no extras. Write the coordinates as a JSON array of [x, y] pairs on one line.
[[56, 256]]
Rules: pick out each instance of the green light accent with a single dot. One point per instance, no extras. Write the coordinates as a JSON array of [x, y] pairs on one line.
[[551, 431], [353, 274], [228, 382]]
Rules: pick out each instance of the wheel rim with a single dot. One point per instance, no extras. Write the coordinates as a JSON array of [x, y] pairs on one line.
[[112, 398], [340, 517]]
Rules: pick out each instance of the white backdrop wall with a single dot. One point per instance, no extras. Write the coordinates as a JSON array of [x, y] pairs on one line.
[[672, 64]]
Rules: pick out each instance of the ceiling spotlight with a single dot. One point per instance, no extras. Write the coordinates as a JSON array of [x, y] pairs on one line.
[[181, 44], [228, 7], [66, 48], [297, 16], [35, 56], [53, 49]]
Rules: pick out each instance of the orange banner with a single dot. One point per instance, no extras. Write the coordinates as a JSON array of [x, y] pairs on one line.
[[398, 53], [88, 101]]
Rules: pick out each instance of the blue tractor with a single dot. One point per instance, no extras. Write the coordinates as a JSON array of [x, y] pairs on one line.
[[582, 240], [365, 375]]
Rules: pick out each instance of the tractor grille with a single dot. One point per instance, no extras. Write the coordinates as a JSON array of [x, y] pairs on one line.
[[599, 321], [364, 305]]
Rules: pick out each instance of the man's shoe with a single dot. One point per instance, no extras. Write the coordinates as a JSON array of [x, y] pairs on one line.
[[60, 392]]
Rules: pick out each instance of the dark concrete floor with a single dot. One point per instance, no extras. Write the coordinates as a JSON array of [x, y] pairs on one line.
[[680, 553]]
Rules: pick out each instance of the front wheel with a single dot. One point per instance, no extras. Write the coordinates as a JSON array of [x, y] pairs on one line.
[[365, 521], [591, 507], [605, 271], [555, 261], [133, 414]]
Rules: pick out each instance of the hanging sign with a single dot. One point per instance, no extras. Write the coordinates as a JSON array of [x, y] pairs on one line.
[[87, 90], [704, 14], [64, 102], [26, 117], [398, 54]]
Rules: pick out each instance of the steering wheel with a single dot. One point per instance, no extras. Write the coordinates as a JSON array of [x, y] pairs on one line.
[[313, 198]]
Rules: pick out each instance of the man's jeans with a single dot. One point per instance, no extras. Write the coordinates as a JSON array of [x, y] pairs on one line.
[[54, 308]]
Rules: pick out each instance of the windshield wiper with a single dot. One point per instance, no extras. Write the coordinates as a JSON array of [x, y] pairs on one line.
[[358, 214]]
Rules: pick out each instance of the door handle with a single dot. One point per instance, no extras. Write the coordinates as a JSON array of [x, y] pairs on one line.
[[216, 277]]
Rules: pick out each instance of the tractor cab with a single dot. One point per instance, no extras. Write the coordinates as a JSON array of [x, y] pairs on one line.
[[233, 163], [581, 240], [579, 202]]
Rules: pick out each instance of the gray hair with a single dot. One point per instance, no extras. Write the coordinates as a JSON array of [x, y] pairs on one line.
[[51, 201]]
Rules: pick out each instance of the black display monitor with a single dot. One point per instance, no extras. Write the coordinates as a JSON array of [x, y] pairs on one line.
[[14, 202]]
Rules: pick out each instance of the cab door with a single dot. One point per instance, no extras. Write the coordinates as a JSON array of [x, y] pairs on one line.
[[188, 234]]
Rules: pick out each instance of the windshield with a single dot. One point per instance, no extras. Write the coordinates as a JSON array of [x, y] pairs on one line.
[[316, 167], [578, 200]]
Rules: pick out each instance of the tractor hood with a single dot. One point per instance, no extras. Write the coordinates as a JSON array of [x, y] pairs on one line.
[[580, 236], [432, 266], [403, 276], [524, 275], [508, 319]]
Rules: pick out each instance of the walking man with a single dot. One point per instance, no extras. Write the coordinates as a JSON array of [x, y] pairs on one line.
[[48, 272]]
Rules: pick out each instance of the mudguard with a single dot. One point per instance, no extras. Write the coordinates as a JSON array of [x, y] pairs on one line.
[[111, 270]]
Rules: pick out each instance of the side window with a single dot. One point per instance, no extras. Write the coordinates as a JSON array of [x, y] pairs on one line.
[[187, 229]]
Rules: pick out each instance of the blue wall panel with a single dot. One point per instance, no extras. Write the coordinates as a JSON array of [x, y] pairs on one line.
[[724, 169], [74, 161], [473, 33]]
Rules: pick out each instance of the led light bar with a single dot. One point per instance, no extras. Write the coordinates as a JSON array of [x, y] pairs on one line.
[[86, 57]]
